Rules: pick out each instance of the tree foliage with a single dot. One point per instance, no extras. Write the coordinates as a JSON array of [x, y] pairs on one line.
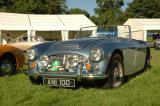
[[95, 19], [33, 6], [78, 11], [108, 11], [143, 9]]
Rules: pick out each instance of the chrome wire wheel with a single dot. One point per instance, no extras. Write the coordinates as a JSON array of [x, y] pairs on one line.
[[117, 74]]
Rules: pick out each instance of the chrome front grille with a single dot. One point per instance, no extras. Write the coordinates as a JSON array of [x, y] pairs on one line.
[[65, 63], [61, 58]]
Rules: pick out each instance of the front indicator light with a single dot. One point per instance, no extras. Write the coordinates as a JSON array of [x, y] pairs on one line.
[[32, 65], [88, 67]]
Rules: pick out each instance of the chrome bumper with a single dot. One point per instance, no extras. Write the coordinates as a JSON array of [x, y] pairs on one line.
[[89, 76]]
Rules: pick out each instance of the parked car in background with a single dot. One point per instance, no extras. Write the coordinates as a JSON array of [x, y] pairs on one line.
[[156, 40], [25, 42], [11, 60], [157, 44], [100, 58], [151, 44]]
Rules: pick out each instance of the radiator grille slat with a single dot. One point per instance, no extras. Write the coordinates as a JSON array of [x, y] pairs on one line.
[[63, 60]]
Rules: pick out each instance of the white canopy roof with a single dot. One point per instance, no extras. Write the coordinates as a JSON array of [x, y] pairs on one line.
[[9, 21], [15, 21], [143, 24], [139, 27]]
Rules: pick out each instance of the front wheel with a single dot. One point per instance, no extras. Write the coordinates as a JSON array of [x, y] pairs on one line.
[[115, 72], [7, 67]]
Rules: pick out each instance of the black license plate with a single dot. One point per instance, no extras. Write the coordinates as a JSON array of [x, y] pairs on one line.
[[59, 82]]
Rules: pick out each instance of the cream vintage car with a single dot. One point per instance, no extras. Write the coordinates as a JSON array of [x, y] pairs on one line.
[[24, 42], [11, 60]]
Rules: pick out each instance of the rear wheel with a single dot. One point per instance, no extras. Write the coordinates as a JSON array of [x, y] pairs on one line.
[[115, 72], [7, 67]]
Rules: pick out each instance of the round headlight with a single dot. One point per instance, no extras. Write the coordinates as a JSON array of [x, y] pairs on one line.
[[96, 54], [44, 60], [31, 53], [73, 60]]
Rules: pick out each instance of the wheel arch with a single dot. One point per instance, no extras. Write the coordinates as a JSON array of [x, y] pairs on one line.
[[119, 52], [116, 51]]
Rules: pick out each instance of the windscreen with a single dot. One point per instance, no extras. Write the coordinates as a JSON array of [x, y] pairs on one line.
[[105, 31]]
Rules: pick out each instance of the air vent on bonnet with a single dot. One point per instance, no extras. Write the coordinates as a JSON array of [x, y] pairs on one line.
[[70, 46]]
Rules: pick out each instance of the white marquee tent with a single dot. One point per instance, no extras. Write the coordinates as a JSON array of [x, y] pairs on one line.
[[32, 23], [140, 27]]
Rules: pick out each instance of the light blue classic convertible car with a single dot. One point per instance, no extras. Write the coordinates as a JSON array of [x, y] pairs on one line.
[[102, 57]]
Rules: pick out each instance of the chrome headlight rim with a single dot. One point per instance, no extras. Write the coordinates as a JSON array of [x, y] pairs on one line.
[[44, 60], [31, 53], [96, 54]]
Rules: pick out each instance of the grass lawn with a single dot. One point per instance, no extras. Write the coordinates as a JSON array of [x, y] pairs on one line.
[[142, 90], [150, 39]]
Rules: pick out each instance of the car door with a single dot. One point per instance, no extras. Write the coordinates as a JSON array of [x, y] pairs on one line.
[[140, 55], [129, 53]]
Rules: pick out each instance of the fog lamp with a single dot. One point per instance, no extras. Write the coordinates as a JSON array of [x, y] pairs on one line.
[[73, 60], [44, 60], [32, 65], [96, 67]]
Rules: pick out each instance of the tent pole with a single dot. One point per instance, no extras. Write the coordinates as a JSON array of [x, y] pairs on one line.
[[1, 38], [29, 35], [33, 33], [145, 35], [63, 35], [66, 35]]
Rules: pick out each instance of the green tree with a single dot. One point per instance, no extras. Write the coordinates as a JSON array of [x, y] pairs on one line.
[[56, 6], [143, 9], [78, 11], [109, 11], [95, 19], [33, 6]]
